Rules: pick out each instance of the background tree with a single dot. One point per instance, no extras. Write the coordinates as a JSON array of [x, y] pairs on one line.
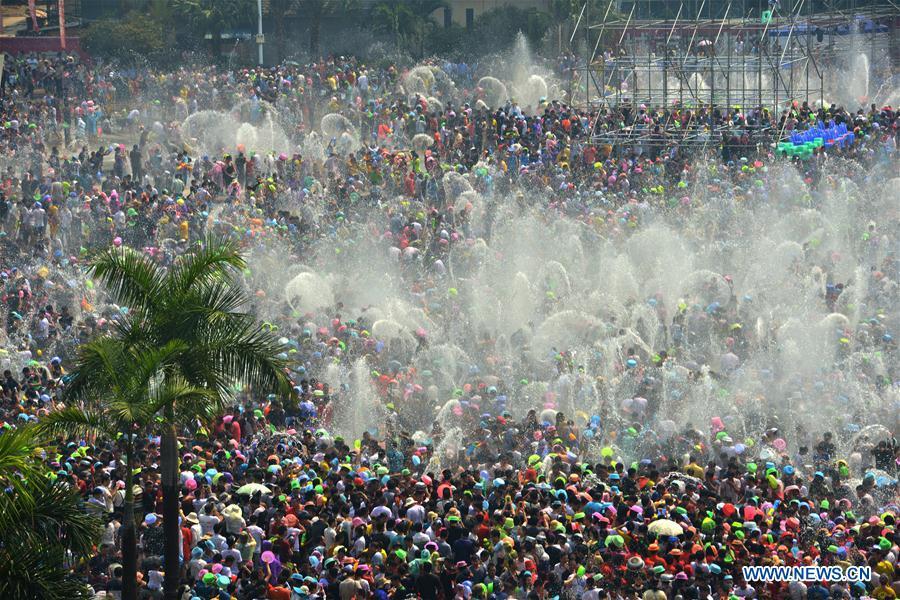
[[312, 12], [115, 390], [394, 18], [197, 305], [212, 17], [134, 38], [410, 22], [44, 527], [423, 25]]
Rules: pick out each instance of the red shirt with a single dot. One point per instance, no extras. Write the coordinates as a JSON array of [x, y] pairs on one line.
[[278, 593], [186, 539]]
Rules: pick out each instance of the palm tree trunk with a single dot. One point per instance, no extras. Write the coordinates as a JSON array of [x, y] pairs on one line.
[[315, 26], [129, 535], [280, 44], [397, 35], [217, 45], [171, 528]]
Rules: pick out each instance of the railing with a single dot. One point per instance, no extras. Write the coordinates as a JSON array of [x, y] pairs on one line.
[[26, 45]]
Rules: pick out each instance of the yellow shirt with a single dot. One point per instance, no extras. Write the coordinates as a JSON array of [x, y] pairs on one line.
[[884, 593], [694, 470]]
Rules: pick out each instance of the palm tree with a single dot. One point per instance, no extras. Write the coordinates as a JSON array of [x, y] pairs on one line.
[[423, 24], [122, 390], [407, 20], [43, 527], [212, 17], [197, 306], [393, 17], [314, 10]]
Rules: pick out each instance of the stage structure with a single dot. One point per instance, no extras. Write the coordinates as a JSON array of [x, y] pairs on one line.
[[738, 55], [726, 53]]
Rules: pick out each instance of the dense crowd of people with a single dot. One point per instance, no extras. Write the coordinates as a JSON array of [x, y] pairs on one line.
[[583, 494]]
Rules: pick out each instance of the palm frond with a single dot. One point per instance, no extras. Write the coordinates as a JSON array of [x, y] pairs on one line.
[[16, 447], [247, 353], [59, 515], [215, 299], [43, 529], [134, 331], [38, 571], [97, 368], [76, 421], [214, 258], [17, 467], [188, 401], [130, 277], [147, 362]]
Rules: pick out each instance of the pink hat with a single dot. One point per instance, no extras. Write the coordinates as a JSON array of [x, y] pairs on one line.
[[267, 557]]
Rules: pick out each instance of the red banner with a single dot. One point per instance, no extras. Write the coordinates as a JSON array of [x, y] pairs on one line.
[[33, 10], [62, 23]]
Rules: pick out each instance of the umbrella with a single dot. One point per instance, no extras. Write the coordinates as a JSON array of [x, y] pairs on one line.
[[665, 528], [381, 511], [251, 488]]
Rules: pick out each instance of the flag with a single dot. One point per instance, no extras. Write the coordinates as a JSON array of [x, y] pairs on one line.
[[32, 9], [62, 23]]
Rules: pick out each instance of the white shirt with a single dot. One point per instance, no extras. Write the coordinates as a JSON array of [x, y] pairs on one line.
[[195, 566], [238, 559], [359, 546], [109, 533], [207, 523], [416, 513], [234, 524], [36, 217], [43, 333], [196, 534], [257, 534]]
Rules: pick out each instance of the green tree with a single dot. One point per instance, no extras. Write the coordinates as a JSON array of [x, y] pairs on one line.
[[196, 305], [127, 40], [496, 30], [423, 25], [313, 11], [394, 18], [44, 527], [119, 392], [213, 17], [408, 21]]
